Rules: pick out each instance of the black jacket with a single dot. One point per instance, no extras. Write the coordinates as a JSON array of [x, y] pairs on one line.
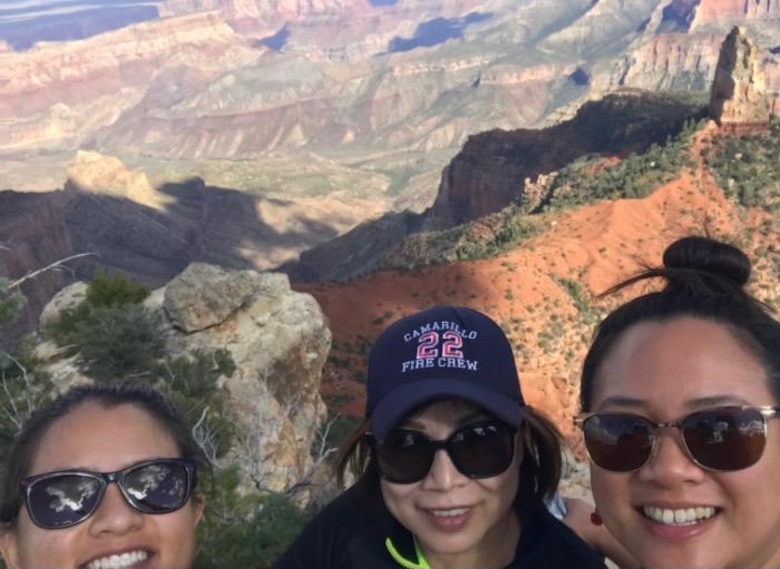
[[350, 534]]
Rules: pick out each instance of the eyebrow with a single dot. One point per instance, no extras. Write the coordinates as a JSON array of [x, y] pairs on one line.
[[717, 400], [465, 419]]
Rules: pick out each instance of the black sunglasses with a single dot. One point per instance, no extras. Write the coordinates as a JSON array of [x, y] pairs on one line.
[[62, 499], [480, 450], [722, 439]]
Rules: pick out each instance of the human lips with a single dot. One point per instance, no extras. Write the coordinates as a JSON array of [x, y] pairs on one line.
[[120, 560], [450, 519]]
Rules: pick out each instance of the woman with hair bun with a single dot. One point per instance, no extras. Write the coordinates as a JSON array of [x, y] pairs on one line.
[[680, 392]]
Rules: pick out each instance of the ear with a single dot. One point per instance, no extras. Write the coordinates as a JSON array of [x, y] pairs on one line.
[[8, 548], [199, 505]]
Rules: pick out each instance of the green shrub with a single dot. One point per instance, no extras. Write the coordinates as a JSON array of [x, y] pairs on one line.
[[65, 330], [10, 302], [24, 387], [245, 530], [114, 289], [192, 382], [119, 343], [746, 168]]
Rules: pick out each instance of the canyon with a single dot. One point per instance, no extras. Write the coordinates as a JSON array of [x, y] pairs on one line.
[[344, 157], [144, 215]]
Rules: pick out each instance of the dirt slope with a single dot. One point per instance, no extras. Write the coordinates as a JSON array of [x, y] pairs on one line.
[[529, 290]]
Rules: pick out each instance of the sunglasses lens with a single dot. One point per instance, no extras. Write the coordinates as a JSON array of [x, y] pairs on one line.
[[725, 439], [63, 500], [158, 487], [477, 451], [618, 442], [482, 451], [404, 456]]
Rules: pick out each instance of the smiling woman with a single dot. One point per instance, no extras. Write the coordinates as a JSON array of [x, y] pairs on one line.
[[680, 392], [103, 477], [453, 468]]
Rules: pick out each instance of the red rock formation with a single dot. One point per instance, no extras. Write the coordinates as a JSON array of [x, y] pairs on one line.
[[738, 94]]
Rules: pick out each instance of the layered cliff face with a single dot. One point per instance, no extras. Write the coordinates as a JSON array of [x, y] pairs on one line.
[[56, 94], [709, 11], [497, 168], [492, 169], [384, 94], [738, 94], [680, 44]]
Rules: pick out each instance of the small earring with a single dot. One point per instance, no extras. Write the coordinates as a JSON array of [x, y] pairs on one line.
[[595, 518]]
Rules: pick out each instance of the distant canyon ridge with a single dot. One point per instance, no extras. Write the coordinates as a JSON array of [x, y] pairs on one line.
[[356, 99], [244, 133]]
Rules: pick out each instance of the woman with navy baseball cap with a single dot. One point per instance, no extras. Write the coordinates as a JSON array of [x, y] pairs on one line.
[[453, 468]]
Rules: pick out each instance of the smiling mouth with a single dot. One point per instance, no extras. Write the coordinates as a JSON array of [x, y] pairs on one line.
[[449, 513], [678, 517], [120, 561]]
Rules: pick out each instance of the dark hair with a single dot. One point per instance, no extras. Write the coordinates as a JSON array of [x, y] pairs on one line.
[[540, 469], [26, 443], [705, 279]]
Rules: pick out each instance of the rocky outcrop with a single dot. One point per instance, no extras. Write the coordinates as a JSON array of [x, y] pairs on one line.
[[738, 95], [278, 340], [497, 168], [490, 172]]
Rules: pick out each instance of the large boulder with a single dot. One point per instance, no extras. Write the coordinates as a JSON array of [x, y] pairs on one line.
[[279, 340]]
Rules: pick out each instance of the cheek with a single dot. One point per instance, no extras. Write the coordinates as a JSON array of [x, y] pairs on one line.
[[36, 547], [176, 537], [398, 498], [609, 490]]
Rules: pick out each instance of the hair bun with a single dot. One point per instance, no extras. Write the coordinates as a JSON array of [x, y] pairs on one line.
[[709, 256]]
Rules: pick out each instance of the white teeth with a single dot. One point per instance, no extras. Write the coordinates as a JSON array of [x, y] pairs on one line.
[[680, 517], [450, 513], [118, 561]]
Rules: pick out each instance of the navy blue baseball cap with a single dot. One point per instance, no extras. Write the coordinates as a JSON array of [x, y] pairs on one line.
[[441, 352]]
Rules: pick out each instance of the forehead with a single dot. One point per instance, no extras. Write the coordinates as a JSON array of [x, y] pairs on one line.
[[103, 438], [674, 363], [452, 407]]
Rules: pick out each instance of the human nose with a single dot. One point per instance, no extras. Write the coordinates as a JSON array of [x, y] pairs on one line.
[[114, 514], [669, 463], [443, 474]]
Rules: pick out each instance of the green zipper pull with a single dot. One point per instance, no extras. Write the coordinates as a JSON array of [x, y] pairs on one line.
[[405, 563]]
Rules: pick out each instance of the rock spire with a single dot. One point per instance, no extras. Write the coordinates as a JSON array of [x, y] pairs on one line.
[[738, 95]]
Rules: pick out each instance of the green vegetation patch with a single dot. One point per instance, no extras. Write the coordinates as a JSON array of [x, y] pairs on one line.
[[593, 178], [747, 168]]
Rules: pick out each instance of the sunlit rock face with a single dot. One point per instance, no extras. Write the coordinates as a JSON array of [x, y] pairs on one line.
[[738, 94], [279, 340]]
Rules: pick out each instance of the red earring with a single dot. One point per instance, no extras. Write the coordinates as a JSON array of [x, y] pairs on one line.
[[595, 518]]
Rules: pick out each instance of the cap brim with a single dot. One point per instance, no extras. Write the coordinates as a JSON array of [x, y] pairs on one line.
[[401, 401]]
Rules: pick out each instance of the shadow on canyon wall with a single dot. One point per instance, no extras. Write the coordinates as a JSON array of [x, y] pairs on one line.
[[193, 222]]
